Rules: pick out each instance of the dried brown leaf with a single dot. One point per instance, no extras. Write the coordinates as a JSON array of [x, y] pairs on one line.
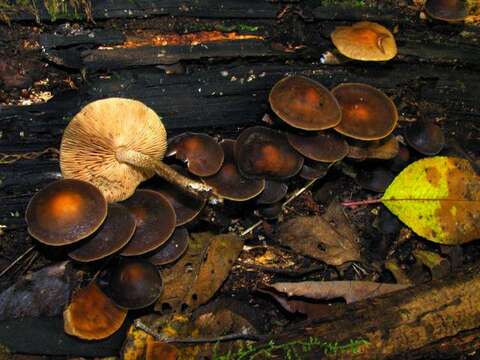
[[329, 238], [351, 291]]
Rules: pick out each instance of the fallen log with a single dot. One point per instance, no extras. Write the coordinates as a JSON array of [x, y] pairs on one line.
[[426, 320]]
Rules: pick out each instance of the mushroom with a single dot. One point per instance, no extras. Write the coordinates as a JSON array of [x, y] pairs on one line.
[[322, 146], [186, 206], [263, 152], [274, 192], [155, 219], [114, 234], [425, 137], [304, 103], [384, 149], [447, 10], [202, 153], [314, 170], [91, 315], [175, 247], [399, 162], [115, 144], [365, 41], [270, 211], [132, 284], [65, 211], [376, 179], [367, 113], [229, 183]]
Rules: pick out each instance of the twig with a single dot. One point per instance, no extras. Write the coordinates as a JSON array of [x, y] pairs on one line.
[[159, 337], [284, 272], [4, 271], [288, 201], [30, 262], [12, 158]]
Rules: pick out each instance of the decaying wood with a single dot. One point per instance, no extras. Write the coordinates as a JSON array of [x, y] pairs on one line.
[[433, 317]]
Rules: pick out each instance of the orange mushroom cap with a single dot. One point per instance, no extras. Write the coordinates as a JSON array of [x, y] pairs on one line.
[[322, 146], [304, 103]]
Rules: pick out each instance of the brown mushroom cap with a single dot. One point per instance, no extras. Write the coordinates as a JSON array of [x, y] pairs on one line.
[[65, 212], [201, 152], [365, 41], [133, 284], [447, 10], [274, 192], [367, 113], [90, 142], [322, 146], [304, 103], [399, 162], [425, 137], [155, 219], [314, 170], [229, 183], [384, 149], [175, 247], [270, 211], [263, 152], [91, 315], [376, 179], [115, 233], [186, 206]]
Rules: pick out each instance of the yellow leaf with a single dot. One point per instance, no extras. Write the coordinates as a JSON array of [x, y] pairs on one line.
[[438, 198]]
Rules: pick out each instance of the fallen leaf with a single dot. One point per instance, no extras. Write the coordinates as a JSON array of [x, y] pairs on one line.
[[329, 238], [195, 278], [351, 291], [157, 350], [438, 198]]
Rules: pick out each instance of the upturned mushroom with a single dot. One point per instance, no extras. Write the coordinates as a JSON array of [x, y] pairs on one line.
[[447, 10], [365, 41], [425, 137], [116, 144]]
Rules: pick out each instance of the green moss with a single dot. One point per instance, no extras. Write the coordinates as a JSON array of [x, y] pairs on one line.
[[236, 27], [350, 3], [293, 350]]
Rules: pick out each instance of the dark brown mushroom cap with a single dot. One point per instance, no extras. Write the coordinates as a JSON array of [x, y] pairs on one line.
[[229, 183], [132, 284], [304, 103], [155, 219], [365, 41], [314, 170], [367, 113], [322, 146], [91, 315], [274, 192], [270, 211], [384, 149], [186, 206], [399, 162], [263, 152], [201, 152], [447, 10], [376, 179], [65, 212], [114, 234], [425, 137], [175, 247]]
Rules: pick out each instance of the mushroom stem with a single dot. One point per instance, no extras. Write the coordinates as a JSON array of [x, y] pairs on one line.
[[138, 159]]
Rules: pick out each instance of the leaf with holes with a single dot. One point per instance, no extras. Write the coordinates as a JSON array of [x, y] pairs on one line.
[[438, 198]]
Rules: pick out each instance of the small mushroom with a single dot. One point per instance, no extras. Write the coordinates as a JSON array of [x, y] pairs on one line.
[[270, 211], [202, 153], [367, 113], [175, 247], [365, 41], [65, 212], [229, 183], [155, 219], [425, 137], [132, 284], [322, 146], [186, 206], [116, 144], [447, 10], [399, 162], [274, 192], [114, 234], [384, 149], [91, 315], [314, 170], [304, 103], [263, 152]]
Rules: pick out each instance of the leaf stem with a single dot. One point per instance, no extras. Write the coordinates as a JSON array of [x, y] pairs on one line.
[[361, 202]]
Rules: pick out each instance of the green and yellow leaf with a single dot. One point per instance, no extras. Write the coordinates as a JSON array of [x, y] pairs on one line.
[[438, 198]]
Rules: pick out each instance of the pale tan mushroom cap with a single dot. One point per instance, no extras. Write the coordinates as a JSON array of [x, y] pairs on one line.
[[365, 41], [91, 140]]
